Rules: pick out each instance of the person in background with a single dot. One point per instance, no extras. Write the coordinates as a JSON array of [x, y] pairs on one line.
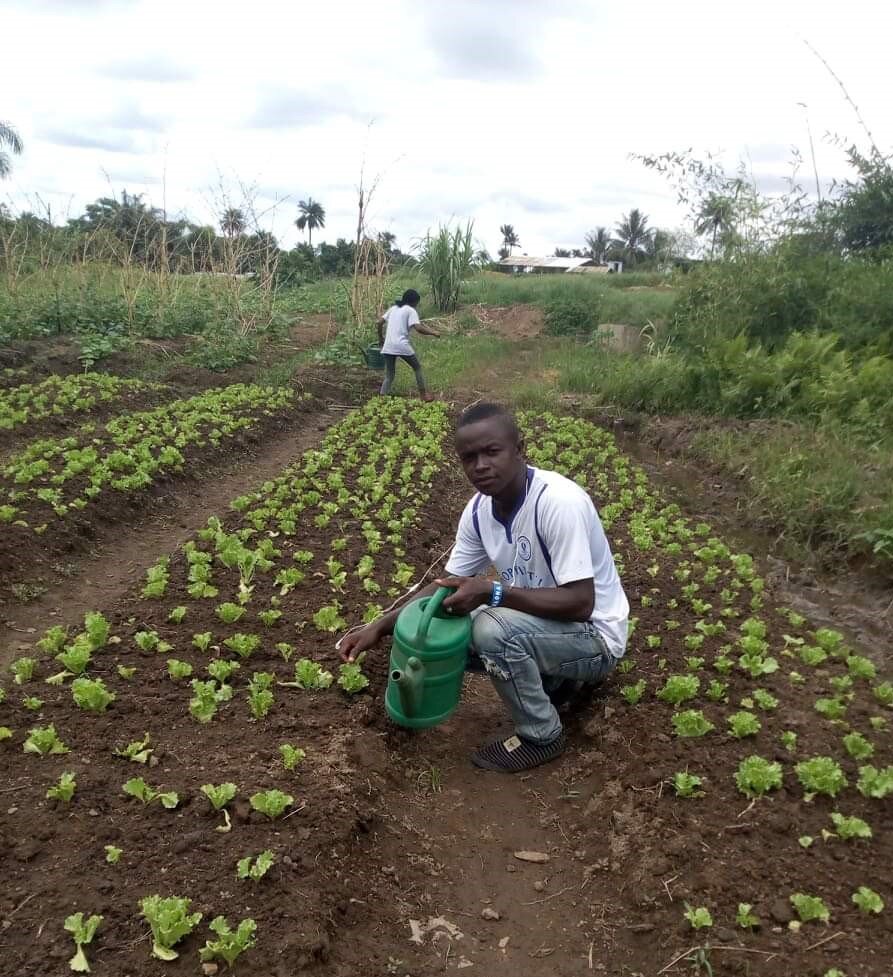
[[554, 619], [400, 319]]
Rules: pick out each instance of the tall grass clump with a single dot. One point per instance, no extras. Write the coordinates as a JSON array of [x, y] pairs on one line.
[[446, 260]]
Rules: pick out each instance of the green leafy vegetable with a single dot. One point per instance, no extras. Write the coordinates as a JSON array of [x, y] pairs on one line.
[[858, 747], [291, 755], [875, 783], [82, 932], [229, 613], [699, 916], [230, 944], [690, 723], [271, 802], [687, 784], [310, 675], [170, 921], [850, 827], [138, 788], [113, 854], [743, 724], [745, 918], [757, 776], [633, 693], [679, 688], [255, 869], [351, 678], [64, 790], [138, 751], [867, 900], [91, 694], [178, 669], [220, 795], [23, 670], [809, 907], [821, 775], [43, 741]]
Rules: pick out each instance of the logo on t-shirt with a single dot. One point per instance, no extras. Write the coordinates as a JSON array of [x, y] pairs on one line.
[[524, 550]]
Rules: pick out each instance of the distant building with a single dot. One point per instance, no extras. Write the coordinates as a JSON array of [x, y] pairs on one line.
[[524, 264]]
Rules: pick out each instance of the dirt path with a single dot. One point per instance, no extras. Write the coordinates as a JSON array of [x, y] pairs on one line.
[[479, 905], [115, 565]]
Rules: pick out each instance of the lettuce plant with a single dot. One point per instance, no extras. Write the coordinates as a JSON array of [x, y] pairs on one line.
[[687, 784], [23, 670], [177, 614], [113, 854], [745, 918], [883, 692], [271, 802], [679, 688], [699, 917], [82, 932], [244, 645], [875, 783], [178, 669], [138, 788], [848, 828], [291, 755], [351, 678], [310, 675], [91, 694], [633, 693], [64, 790], [255, 869], [170, 921], [691, 723], [743, 724], [821, 775], [230, 944], [43, 741], [757, 776], [202, 641], [222, 669], [229, 613], [220, 795], [137, 751], [809, 907], [867, 900]]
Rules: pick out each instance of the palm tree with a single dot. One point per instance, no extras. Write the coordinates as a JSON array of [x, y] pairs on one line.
[[716, 217], [13, 142], [233, 222], [312, 217], [509, 238], [598, 242], [633, 235]]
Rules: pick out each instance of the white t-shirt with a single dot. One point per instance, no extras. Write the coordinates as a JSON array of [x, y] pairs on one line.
[[401, 320], [554, 538]]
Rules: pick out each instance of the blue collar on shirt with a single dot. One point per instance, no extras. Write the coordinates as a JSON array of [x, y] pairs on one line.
[[507, 524]]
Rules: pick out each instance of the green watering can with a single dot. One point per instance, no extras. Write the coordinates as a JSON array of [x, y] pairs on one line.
[[372, 356], [428, 658]]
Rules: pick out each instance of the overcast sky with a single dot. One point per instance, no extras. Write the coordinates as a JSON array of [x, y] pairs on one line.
[[518, 111]]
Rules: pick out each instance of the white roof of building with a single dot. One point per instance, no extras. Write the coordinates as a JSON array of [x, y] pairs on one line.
[[526, 261]]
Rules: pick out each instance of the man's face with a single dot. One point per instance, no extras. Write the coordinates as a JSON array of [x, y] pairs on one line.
[[489, 454]]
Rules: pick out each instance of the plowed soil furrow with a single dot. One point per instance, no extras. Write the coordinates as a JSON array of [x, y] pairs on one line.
[[117, 559]]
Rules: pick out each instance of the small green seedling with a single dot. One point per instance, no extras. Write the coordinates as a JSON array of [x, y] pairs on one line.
[[810, 908], [351, 678], [821, 775], [687, 784], [271, 802], [219, 795], [230, 944], [43, 741], [82, 932], [257, 868], [848, 828], [291, 755], [633, 693], [170, 921], [757, 776], [138, 788], [745, 918], [875, 783], [64, 790], [138, 751], [743, 724], [178, 670], [699, 917], [858, 747], [867, 900], [113, 854], [691, 723]]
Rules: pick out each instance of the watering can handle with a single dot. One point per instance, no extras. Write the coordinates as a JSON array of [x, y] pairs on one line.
[[431, 608]]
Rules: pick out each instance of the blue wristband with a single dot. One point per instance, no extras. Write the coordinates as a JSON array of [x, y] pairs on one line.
[[496, 594]]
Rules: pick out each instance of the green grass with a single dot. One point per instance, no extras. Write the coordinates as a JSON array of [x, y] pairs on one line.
[[451, 361]]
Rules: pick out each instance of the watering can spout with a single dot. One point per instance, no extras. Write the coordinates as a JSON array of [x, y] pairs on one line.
[[410, 683]]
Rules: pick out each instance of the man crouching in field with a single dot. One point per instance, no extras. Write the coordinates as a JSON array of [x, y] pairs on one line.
[[555, 619]]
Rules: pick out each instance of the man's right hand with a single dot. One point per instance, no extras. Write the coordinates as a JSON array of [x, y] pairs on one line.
[[353, 645]]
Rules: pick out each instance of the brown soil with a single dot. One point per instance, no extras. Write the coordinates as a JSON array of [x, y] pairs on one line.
[[511, 321]]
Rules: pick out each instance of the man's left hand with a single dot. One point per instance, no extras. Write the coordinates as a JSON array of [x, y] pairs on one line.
[[471, 592]]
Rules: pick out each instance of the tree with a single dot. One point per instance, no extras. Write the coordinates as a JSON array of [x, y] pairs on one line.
[[633, 236], [598, 242], [13, 142], [233, 222], [312, 216], [716, 216], [388, 241], [509, 239], [562, 253]]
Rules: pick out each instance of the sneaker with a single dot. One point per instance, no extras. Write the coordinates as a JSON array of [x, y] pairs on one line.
[[514, 754]]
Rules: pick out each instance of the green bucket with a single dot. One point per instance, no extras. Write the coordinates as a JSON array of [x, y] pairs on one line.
[[372, 356]]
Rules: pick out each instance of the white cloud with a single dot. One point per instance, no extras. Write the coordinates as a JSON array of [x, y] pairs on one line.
[[519, 111]]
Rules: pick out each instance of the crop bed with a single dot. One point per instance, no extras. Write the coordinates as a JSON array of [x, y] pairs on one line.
[[260, 596], [31, 406], [682, 829], [55, 489], [742, 755]]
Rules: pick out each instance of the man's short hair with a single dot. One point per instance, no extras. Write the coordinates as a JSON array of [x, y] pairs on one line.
[[485, 411]]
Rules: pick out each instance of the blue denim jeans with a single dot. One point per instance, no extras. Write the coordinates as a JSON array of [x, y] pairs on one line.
[[525, 655]]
